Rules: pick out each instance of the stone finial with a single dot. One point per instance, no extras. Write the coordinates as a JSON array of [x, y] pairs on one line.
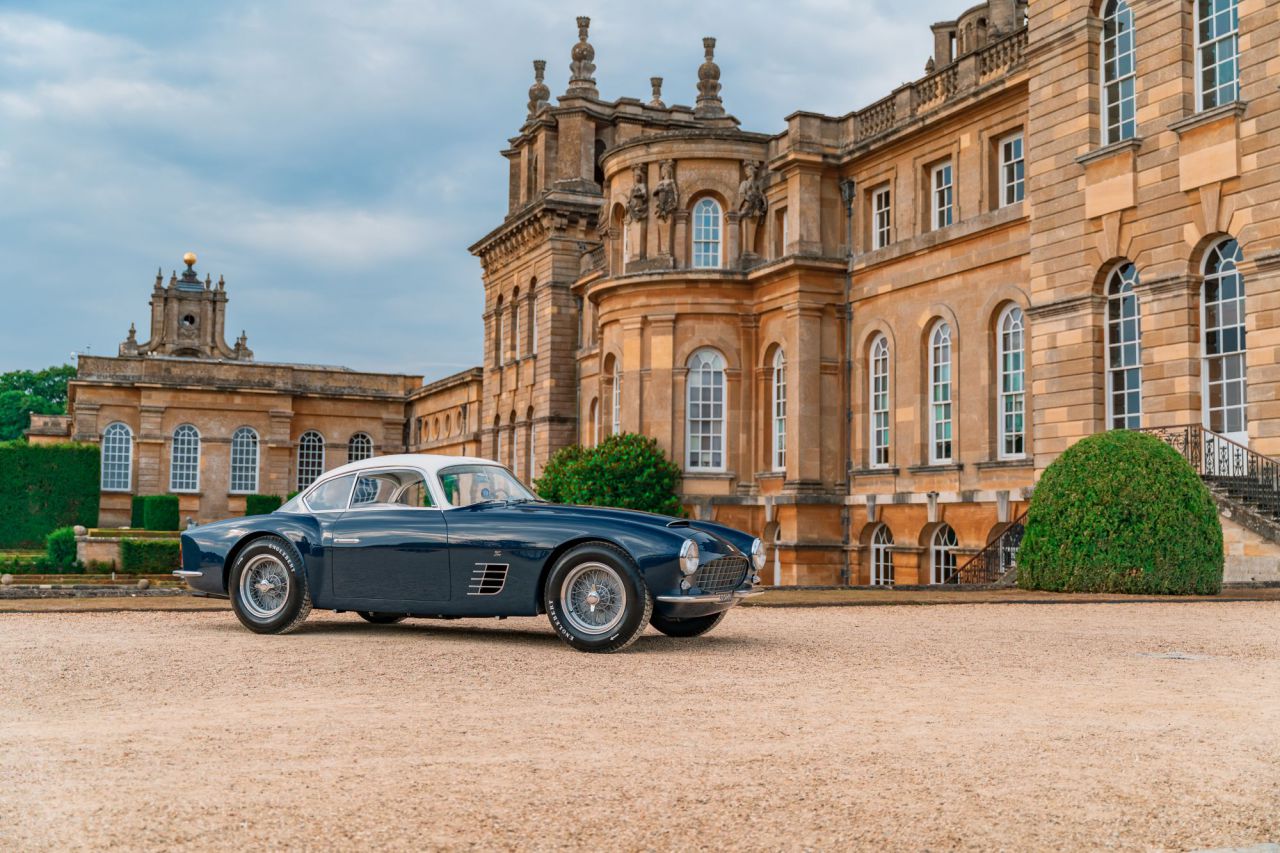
[[159, 278], [222, 285], [133, 334], [930, 66], [656, 84], [539, 94], [208, 282], [581, 83], [709, 104]]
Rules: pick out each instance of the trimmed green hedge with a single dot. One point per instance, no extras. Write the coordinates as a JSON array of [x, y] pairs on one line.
[[137, 512], [261, 504], [627, 470], [1122, 512], [160, 512], [149, 556], [44, 487], [60, 548]]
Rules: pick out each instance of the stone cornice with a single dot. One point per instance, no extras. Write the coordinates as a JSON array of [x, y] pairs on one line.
[[1235, 108], [1071, 305], [1170, 284], [1111, 150]]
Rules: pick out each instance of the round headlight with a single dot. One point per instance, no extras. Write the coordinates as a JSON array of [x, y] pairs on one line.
[[689, 557], [757, 554]]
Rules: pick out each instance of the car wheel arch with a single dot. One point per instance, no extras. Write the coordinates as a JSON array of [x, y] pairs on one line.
[[245, 542], [560, 550]]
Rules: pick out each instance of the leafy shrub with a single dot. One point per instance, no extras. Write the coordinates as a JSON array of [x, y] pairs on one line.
[[149, 556], [160, 512], [261, 504], [60, 548], [1122, 512], [628, 470], [44, 487], [137, 512]]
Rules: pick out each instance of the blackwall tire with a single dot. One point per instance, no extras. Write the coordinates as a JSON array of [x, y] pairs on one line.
[[268, 587], [381, 618], [693, 627], [596, 599]]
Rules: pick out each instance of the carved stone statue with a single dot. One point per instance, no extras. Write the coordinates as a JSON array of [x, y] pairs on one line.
[[638, 201], [666, 195], [751, 199], [602, 219]]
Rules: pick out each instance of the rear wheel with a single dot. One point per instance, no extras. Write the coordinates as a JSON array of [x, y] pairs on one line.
[[692, 627], [381, 618], [268, 588], [597, 599]]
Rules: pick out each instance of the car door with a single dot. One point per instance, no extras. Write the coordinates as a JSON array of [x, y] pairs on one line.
[[390, 549]]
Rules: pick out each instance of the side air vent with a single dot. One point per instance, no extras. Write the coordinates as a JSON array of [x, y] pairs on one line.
[[679, 522], [488, 579]]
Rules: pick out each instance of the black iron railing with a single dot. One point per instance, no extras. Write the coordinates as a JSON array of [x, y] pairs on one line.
[[1227, 466], [996, 560]]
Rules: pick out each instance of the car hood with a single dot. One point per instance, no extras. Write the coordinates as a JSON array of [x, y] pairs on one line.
[[709, 541]]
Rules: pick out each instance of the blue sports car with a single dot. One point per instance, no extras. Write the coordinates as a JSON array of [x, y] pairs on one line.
[[450, 537]]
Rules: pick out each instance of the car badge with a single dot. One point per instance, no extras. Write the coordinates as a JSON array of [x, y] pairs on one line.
[[497, 553]]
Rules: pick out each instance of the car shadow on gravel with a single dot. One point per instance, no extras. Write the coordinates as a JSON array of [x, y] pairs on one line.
[[476, 631]]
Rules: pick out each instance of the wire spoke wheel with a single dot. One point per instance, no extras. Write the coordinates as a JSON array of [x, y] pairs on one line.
[[264, 586], [593, 598]]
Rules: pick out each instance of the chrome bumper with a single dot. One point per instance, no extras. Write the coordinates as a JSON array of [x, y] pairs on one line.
[[184, 574], [709, 598]]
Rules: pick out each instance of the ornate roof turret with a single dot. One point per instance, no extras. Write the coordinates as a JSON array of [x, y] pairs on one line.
[[581, 83], [187, 320], [539, 94], [709, 104]]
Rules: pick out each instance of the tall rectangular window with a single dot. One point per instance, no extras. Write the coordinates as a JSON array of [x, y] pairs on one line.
[[940, 394], [879, 402], [1217, 52], [706, 234], [943, 204], [881, 218], [1119, 74], [1013, 171], [184, 460], [1012, 384]]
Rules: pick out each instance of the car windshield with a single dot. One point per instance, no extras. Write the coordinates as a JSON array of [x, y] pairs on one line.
[[464, 485]]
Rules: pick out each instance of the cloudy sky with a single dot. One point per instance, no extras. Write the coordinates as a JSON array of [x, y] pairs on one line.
[[334, 159]]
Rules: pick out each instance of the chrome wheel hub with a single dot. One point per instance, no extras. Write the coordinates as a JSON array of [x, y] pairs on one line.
[[593, 598], [264, 586]]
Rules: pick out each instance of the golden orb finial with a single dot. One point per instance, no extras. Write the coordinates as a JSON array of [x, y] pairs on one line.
[[189, 259]]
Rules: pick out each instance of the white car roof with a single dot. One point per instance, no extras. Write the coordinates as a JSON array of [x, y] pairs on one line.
[[429, 463]]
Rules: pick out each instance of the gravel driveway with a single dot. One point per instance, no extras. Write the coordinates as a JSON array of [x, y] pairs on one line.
[[1135, 726]]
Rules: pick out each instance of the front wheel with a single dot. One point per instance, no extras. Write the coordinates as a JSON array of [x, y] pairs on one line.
[[380, 618], [692, 627], [268, 588], [597, 599]]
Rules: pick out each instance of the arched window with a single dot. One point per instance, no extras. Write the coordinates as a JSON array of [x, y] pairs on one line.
[[117, 458], [594, 437], [310, 458], [882, 556], [515, 323], [942, 554], [615, 395], [498, 342], [940, 394], [530, 446], [1217, 52], [1124, 350], [779, 411], [879, 387], [704, 416], [244, 461], [706, 234], [184, 460], [1119, 74], [1225, 393], [360, 445], [1012, 402]]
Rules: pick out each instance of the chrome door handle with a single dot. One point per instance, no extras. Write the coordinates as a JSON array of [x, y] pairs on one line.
[[340, 541]]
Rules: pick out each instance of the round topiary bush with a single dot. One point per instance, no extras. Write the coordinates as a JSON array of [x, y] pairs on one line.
[[627, 470], [1121, 512]]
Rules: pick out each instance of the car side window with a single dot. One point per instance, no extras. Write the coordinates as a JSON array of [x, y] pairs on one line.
[[391, 488], [331, 495], [416, 494]]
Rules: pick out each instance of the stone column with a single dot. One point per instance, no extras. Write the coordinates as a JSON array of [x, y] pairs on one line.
[[628, 370], [804, 398], [151, 446], [1065, 359], [659, 388], [680, 243], [1262, 304], [733, 242]]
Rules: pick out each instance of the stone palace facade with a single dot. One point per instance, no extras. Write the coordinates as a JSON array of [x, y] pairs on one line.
[[864, 336]]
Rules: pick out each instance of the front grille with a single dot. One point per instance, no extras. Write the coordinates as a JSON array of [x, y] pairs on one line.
[[721, 574]]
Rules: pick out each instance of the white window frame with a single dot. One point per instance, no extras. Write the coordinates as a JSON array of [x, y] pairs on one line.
[[184, 460], [941, 394], [778, 412], [942, 195], [881, 217], [1228, 265], [942, 554], [310, 457], [615, 392], [882, 556], [497, 331], [117, 458], [246, 458], [708, 219], [1229, 35], [1013, 169], [1116, 16], [1011, 382], [366, 442], [533, 322], [1122, 288], [515, 327], [706, 405], [879, 438]]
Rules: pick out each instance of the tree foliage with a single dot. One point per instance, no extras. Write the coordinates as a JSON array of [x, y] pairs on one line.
[[24, 392], [628, 471], [44, 487], [1123, 512]]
